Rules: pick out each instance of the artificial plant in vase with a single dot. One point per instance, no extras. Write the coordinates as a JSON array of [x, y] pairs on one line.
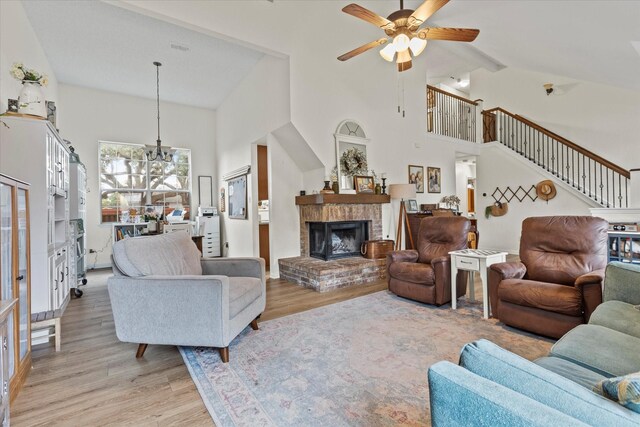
[[31, 99]]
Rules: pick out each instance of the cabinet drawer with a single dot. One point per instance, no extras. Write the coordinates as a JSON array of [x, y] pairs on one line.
[[465, 263]]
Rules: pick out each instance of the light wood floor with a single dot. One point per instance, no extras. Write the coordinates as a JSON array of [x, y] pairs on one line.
[[96, 380]]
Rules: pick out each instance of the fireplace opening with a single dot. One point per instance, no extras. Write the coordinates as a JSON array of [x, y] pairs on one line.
[[333, 240]]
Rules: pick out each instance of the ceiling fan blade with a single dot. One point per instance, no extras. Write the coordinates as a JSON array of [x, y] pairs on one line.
[[366, 15], [423, 12], [404, 66], [361, 49], [451, 34]]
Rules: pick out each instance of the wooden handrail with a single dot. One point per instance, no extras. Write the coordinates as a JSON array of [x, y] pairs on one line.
[[565, 141], [444, 92]]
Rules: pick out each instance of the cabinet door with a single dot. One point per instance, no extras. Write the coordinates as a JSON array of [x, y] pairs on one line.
[[6, 264], [23, 310], [53, 281]]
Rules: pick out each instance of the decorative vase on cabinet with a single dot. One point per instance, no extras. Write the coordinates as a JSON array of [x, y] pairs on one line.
[[31, 99]]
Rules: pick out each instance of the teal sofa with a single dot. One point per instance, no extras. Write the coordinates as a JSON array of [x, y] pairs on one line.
[[494, 387]]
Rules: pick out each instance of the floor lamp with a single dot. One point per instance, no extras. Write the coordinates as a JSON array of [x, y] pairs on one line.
[[402, 192]]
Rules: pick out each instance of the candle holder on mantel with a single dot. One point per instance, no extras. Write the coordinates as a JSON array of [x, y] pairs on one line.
[[327, 188], [384, 186]]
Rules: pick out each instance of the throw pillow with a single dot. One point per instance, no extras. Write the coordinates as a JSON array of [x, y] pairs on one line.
[[625, 390]]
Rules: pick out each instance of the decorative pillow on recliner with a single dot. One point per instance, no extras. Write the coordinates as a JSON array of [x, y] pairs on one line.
[[172, 254], [625, 390]]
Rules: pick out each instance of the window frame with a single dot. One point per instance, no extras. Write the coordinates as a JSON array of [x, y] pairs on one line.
[[146, 190]]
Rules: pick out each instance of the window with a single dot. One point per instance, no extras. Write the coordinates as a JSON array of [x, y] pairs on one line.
[[128, 182]]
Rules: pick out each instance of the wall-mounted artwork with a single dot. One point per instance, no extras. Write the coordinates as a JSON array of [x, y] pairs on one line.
[[238, 197], [434, 177], [416, 176]]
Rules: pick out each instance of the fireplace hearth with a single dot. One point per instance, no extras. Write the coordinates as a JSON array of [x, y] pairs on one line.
[[313, 271], [335, 240]]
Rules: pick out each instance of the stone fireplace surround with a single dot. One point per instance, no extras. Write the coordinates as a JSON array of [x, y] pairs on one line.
[[327, 275]]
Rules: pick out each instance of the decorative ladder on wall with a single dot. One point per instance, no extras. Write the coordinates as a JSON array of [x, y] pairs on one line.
[[597, 178]]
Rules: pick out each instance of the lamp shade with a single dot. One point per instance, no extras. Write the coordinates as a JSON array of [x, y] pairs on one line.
[[402, 191]]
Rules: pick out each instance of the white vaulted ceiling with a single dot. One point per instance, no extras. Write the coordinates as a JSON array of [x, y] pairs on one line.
[[97, 45]]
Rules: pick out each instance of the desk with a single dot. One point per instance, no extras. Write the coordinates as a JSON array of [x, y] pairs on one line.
[[474, 260]]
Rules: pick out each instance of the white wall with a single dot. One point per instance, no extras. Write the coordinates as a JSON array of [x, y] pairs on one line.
[[18, 43], [315, 92], [257, 106], [496, 167], [600, 118], [92, 115], [284, 223]]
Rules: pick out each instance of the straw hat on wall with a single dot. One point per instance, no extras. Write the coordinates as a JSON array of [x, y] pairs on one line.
[[546, 190]]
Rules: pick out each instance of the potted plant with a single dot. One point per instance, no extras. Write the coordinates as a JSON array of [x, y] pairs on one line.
[[31, 99], [453, 203]]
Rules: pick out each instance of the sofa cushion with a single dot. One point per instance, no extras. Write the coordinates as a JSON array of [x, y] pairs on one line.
[[461, 398], [622, 282], [487, 360], [172, 254], [415, 272], [619, 316], [242, 292], [608, 352], [625, 390], [576, 373], [546, 296]]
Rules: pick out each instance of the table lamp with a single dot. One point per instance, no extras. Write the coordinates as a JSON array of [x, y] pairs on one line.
[[402, 192]]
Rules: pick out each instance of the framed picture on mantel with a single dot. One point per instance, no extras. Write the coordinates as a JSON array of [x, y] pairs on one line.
[[363, 184]]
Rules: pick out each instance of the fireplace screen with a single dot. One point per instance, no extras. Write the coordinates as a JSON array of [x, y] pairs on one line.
[[332, 240]]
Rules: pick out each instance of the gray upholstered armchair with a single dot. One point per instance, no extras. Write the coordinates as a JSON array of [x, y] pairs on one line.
[[162, 292]]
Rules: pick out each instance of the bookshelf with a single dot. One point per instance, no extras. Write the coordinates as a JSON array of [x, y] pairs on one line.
[[126, 230]]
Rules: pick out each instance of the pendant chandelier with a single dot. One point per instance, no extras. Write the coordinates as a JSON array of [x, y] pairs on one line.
[[157, 153]]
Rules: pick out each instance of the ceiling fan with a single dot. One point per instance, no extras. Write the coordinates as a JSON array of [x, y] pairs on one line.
[[403, 27]]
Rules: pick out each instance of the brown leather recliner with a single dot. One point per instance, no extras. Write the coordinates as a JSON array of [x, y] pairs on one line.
[[425, 274], [558, 284]]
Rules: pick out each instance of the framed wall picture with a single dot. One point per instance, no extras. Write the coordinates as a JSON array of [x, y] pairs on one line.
[[434, 177], [238, 197], [412, 205], [363, 184], [416, 176]]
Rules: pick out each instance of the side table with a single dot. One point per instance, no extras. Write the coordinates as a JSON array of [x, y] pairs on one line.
[[474, 260]]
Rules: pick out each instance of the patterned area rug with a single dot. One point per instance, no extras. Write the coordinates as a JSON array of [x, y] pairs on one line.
[[361, 362]]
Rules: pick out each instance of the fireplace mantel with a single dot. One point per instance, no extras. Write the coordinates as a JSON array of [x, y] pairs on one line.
[[334, 199]]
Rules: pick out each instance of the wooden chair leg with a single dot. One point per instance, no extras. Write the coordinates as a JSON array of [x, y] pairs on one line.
[[254, 324], [224, 354], [141, 349]]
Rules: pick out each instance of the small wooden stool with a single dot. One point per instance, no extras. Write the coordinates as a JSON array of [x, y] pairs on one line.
[[57, 329]]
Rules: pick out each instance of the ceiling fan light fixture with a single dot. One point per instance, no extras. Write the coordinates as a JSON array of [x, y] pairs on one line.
[[388, 52], [417, 45], [401, 42]]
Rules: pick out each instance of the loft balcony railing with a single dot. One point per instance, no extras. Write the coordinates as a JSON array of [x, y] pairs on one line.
[[599, 179], [596, 177], [451, 115]]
